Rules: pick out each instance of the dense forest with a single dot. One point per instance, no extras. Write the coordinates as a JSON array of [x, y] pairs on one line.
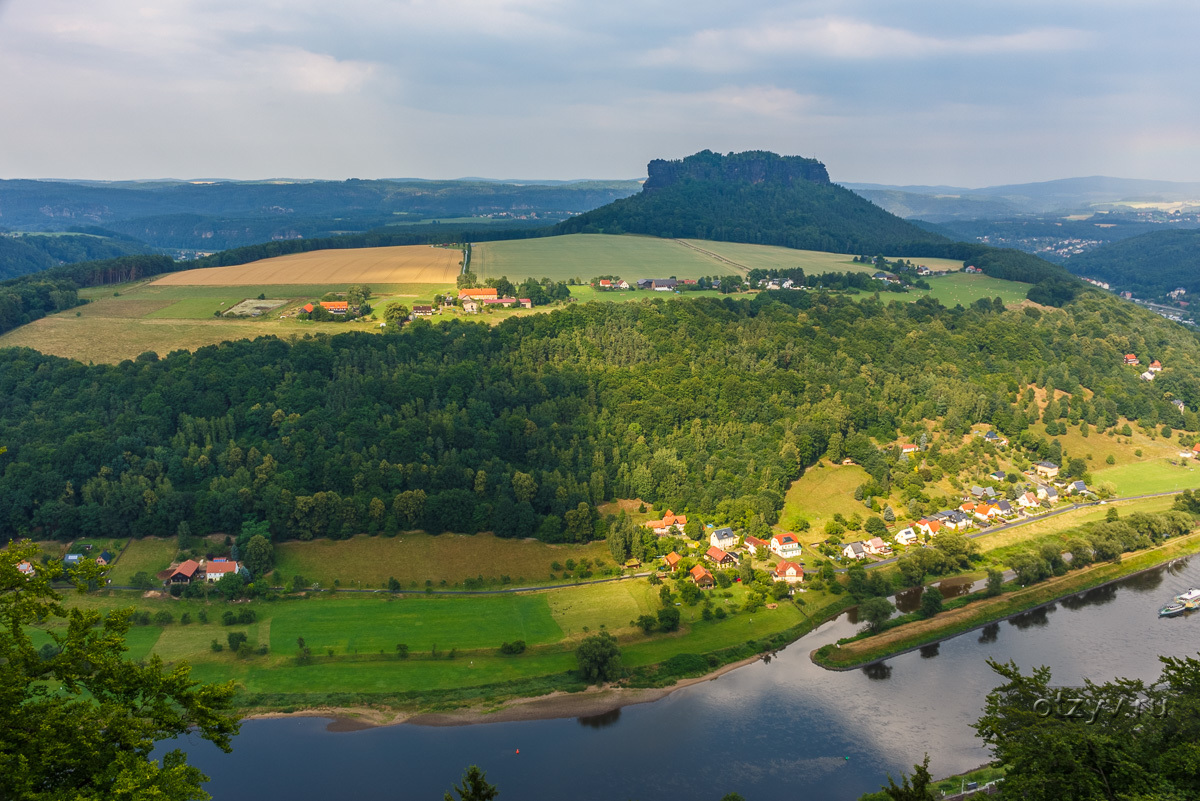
[[31, 253], [710, 405], [1149, 266]]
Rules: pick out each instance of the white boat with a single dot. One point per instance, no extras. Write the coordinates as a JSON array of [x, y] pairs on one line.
[[1191, 598]]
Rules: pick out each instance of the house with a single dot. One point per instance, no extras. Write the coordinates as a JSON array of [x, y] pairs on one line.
[[669, 521], [422, 311], [1076, 487], [909, 447], [997, 476], [1147, 376], [335, 306], [1155, 366], [184, 573], [877, 546], [790, 572], [701, 576], [995, 439], [967, 507], [606, 283], [757, 547], [954, 519], [664, 284], [1196, 449], [673, 559], [105, 558], [1131, 359], [719, 557], [985, 512], [906, 536], [1005, 508], [983, 492], [505, 302], [854, 550], [1027, 501], [470, 307], [929, 528], [1048, 494], [526, 303], [1178, 404], [632, 564], [785, 545], [26, 569], [1046, 469], [217, 569], [477, 294], [971, 268], [723, 538], [72, 559], [308, 308]]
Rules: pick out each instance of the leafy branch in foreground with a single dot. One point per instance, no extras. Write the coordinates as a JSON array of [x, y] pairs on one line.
[[78, 720]]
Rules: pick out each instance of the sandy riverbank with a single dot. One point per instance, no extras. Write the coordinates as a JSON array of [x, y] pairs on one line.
[[589, 703]]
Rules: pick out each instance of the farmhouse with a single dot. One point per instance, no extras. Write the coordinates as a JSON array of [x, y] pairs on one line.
[[335, 306], [785, 545], [184, 573], [720, 558], [669, 521], [877, 546], [723, 538], [701, 576], [477, 294], [757, 547], [1046, 469], [470, 307], [217, 569], [422, 311], [790, 572]]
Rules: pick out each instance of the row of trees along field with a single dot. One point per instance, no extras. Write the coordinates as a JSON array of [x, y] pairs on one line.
[[712, 406]]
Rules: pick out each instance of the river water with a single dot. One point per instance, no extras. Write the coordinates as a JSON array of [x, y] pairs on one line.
[[780, 730]]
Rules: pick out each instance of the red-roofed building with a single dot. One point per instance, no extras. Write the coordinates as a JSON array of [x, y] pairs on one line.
[[785, 545], [477, 294], [308, 308], [526, 303], [1155, 366], [670, 520], [1131, 359], [909, 447], [26, 568], [217, 569], [701, 576], [757, 547], [720, 558], [335, 306], [505, 302], [673, 559], [929, 528], [185, 572], [790, 572]]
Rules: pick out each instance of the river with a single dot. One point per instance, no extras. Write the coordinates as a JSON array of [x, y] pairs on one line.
[[782, 729]]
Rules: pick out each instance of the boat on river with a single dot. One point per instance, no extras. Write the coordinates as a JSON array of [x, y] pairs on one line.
[[1181, 603]]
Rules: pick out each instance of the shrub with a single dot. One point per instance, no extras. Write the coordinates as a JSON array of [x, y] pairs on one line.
[[511, 648], [235, 639], [163, 618], [216, 646]]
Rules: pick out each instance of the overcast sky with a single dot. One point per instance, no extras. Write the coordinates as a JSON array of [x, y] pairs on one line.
[[914, 92]]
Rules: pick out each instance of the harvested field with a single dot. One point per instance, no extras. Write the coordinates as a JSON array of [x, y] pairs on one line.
[[419, 264]]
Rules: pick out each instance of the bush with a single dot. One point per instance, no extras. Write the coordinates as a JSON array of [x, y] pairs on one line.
[[511, 648], [235, 639], [217, 647], [185, 618], [142, 581], [163, 618]]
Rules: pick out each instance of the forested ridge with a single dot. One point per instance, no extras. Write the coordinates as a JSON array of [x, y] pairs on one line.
[[708, 405], [1149, 265]]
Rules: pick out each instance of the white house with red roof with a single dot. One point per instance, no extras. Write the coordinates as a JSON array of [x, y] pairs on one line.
[[217, 569], [929, 528], [669, 520], [757, 547], [785, 545], [26, 569], [909, 447], [790, 572], [1131, 359], [1155, 366], [877, 546], [1028, 501]]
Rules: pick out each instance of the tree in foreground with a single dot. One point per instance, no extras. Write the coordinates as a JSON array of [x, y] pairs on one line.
[[81, 722], [599, 658], [914, 788], [474, 787], [875, 611]]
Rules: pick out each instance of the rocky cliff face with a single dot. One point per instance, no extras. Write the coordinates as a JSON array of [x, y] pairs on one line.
[[751, 167]]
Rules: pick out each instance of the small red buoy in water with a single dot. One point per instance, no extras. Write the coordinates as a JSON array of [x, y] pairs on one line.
[[518, 750]]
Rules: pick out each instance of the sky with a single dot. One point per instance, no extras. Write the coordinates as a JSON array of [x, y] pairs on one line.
[[914, 92]]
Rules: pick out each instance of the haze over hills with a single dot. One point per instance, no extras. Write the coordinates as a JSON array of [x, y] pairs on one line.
[[1066, 195]]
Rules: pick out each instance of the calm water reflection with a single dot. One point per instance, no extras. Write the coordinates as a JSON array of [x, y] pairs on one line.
[[769, 731]]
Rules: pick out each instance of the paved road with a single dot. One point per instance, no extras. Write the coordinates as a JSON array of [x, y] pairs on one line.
[[1028, 520]]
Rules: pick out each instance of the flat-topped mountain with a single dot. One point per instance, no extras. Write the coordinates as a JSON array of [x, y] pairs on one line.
[[756, 197]]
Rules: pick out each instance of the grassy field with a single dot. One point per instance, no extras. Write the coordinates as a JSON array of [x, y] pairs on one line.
[[1156, 475], [583, 256], [963, 289], [584, 294], [414, 558], [193, 308], [811, 261], [150, 555], [821, 493], [407, 264]]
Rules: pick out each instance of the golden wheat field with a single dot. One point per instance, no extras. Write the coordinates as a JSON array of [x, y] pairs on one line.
[[409, 264]]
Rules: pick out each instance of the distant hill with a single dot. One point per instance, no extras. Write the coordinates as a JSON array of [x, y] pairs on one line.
[[755, 197], [1064, 196], [212, 216], [1149, 266], [30, 253]]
